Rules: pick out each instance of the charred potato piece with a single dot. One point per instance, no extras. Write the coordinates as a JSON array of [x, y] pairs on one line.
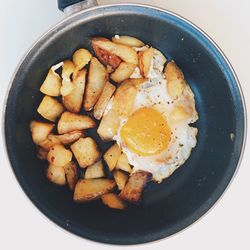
[[112, 155], [124, 52], [120, 179], [96, 81], [123, 72], [73, 101], [92, 189], [50, 108], [132, 191], [56, 175], [40, 131], [108, 126], [102, 103], [59, 156], [95, 171], [113, 201], [70, 122], [81, 58], [86, 152], [127, 40], [42, 153], [52, 84], [71, 174], [123, 164]]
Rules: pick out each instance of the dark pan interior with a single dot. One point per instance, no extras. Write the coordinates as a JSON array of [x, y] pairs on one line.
[[179, 200]]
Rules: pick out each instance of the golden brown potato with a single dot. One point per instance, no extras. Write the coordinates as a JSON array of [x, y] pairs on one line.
[[50, 108], [52, 84], [68, 69], [126, 53], [59, 156], [145, 59], [73, 101], [95, 171], [96, 81], [123, 72], [120, 179], [123, 164], [42, 153], [56, 175], [70, 122], [127, 40], [67, 138], [102, 103], [108, 126], [112, 155], [71, 174], [175, 80], [81, 58], [86, 152], [92, 189], [106, 57], [40, 131], [132, 191], [50, 141], [113, 201]]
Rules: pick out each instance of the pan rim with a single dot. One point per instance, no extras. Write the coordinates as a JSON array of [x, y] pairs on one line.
[[244, 115]]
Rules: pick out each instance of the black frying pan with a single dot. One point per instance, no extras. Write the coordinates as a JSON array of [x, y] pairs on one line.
[[194, 188]]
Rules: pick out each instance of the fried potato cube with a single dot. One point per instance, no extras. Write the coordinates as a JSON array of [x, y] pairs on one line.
[[106, 57], [42, 153], [68, 138], [179, 114], [127, 40], [108, 126], [113, 201], [40, 131], [102, 103], [70, 122], [96, 81], [112, 155], [175, 80], [73, 101], [56, 175], [50, 108], [71, 174], [59, 156], [81, 58], [95, 171], [123, 164], [92, 189], [120, 179], [124, 99], [123, 72], [132, 191], [50, 141], [126, 53], [68, 69], [52, 84], [86, 152], [145, 59]]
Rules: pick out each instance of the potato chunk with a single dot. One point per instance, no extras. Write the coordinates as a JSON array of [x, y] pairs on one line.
[[59, 156], [73, 101], [50, 108], [68, 69], [123, 164], [81, 58], [102, 103], [56, 175], [132, 192], [40, 131], [120, 178], [145, 59], [123, 72], [112, 155], [127, 40], [68, 138], [113, 201], [95, 171], [86, 152], [96, 81], [71, 174], [70, 122], [92, 189], [52, 84]]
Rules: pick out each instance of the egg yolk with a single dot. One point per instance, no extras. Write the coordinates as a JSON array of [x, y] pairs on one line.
[[146, 132]]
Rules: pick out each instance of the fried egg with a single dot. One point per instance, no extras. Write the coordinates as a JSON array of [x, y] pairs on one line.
[[156, 136]]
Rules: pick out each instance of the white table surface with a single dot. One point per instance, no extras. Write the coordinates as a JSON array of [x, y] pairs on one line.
[[225, 227]]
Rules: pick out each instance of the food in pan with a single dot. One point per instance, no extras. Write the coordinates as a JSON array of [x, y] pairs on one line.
[[128, 93]]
